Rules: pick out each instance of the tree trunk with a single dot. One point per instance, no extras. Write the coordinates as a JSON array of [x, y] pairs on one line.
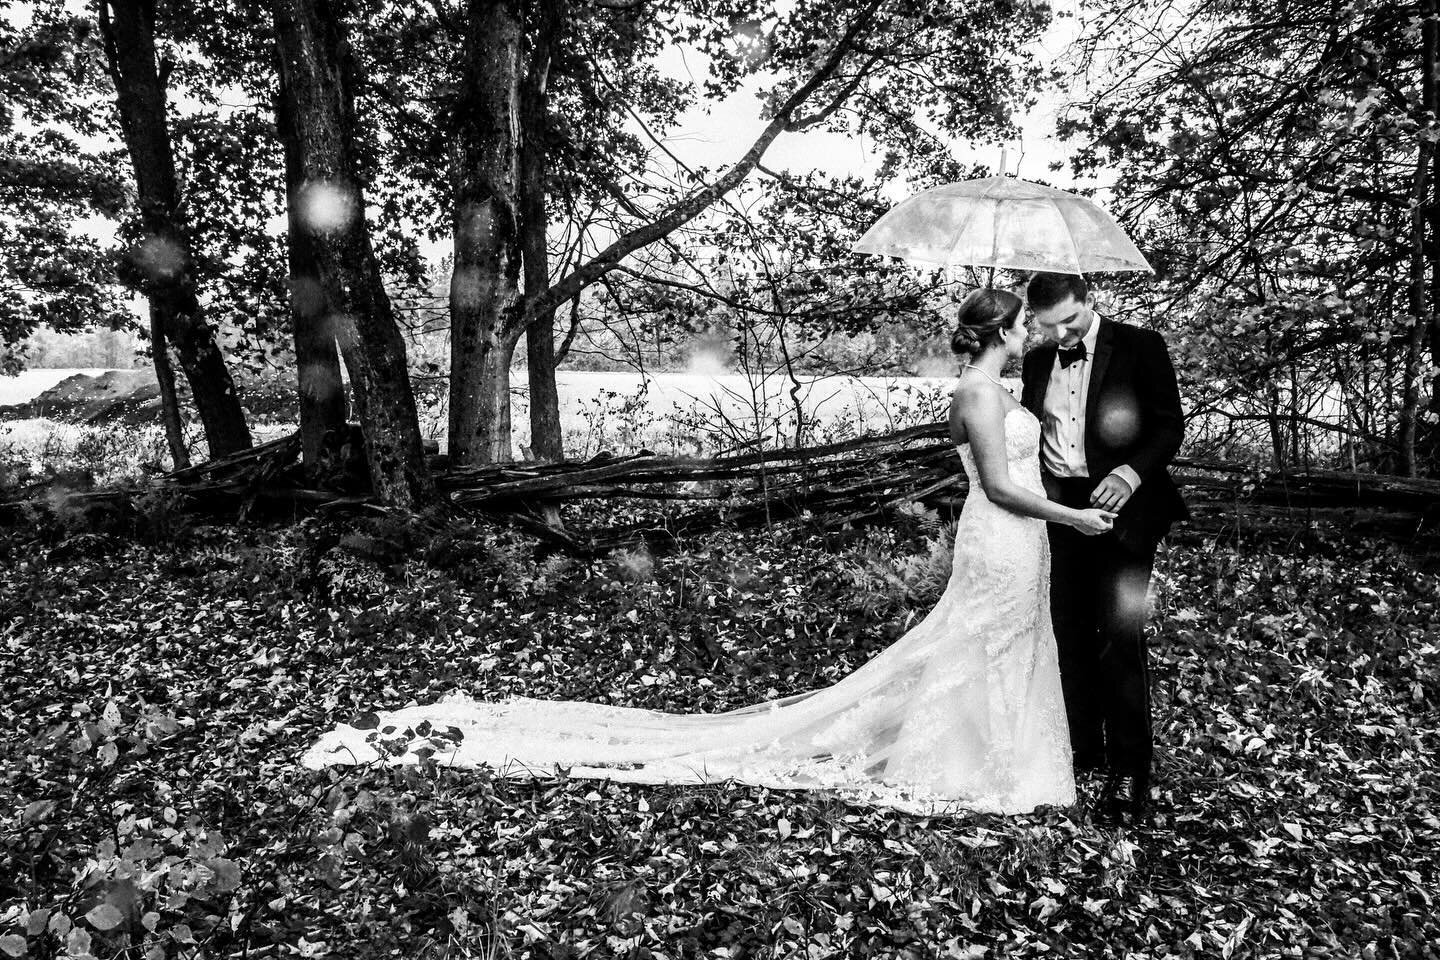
[[1430, 44], [1422, 272], [488, 373], [169, 402], [313, 57], [323, 410], [545, 437], [1277, 431], [162, 263], [1419, 321], [485, 298]]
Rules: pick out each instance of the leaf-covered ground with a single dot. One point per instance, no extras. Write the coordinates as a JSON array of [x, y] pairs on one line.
[[158, 689]]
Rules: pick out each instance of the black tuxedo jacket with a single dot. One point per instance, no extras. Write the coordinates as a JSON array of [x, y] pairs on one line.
[[1132, 416]]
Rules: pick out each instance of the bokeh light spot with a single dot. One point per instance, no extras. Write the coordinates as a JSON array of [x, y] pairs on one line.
[[324, 207], [159, 259]]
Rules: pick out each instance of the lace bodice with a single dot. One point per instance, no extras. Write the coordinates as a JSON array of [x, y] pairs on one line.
[[964, 712], [1022, 452]]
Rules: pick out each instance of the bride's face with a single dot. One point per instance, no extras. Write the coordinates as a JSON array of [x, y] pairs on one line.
[[1014, 337]]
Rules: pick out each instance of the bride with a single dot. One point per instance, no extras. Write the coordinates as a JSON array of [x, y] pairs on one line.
[[964, 712]]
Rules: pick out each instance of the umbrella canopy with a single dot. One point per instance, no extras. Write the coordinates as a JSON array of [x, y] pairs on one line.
[[1003, 222]]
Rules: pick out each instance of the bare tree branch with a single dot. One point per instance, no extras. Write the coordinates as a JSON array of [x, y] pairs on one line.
[[689, 207]]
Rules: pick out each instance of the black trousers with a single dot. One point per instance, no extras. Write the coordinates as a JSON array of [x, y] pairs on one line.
[[1097, 603]]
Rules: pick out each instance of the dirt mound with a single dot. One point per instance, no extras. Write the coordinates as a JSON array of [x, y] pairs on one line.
[[131, 397]]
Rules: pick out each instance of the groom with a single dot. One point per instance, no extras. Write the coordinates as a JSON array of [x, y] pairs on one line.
[[1106, 396]]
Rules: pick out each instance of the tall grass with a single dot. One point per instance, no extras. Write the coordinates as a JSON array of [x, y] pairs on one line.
[[97, 454]]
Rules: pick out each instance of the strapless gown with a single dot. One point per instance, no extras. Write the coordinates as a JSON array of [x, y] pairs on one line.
[[964, 712]]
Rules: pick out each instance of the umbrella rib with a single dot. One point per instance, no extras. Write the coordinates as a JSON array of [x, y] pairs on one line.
[[994, 241], [960, 235], [1070, 235]]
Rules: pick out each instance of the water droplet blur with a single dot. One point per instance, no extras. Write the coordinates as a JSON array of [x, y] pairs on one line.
[[1119, 424], [706, 363], [1134, 599], [159, 259], [636, 566], [751, 41], [325, 207]]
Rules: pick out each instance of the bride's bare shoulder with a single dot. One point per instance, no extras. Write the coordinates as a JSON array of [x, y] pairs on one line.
[[977, 396], [974, 403]]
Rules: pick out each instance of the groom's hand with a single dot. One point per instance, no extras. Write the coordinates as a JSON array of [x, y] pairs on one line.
[[1111, 494]]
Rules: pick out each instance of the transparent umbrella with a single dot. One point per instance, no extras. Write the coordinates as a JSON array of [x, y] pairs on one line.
[[1003, 222]]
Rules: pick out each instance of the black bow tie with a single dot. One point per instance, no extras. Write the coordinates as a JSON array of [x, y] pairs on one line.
[[1069, 355]]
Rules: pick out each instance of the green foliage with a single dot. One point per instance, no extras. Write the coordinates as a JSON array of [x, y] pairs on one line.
[[70, 222], [883, 574], [157, 697], [1268, 166], [51, 273]]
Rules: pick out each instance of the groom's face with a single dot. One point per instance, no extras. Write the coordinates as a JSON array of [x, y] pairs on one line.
[[1065, 323]]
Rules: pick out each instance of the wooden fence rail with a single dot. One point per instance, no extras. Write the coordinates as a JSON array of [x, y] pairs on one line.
[[834, 483]]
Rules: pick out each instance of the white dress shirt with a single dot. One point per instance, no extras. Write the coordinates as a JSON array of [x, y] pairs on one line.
[[1062, 441]]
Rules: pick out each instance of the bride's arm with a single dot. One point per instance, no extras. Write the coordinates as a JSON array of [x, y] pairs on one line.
[[983, 413]]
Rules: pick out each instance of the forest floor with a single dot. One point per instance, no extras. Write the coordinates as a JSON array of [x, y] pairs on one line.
[[159, 686]]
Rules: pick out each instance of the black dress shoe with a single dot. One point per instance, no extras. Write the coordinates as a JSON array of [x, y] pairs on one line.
[[1140, 788], [1125, 797], [1109, 808], [1139, 796]]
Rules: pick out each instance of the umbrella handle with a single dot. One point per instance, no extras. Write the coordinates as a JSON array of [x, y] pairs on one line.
[[994, 251]]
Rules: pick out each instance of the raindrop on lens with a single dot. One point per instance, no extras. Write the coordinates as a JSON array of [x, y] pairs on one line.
[[159, 258], [1119, 424], [324, 207]]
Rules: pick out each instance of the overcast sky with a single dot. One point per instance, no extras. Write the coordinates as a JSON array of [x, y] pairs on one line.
[[720, 136]]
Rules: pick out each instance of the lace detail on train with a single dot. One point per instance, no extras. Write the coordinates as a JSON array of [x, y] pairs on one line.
[[964, 712]]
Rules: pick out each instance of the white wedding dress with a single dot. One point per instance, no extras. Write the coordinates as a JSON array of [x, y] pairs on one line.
[[964, 712]]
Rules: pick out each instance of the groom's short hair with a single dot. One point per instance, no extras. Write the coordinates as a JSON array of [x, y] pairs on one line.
[[1047, 289]]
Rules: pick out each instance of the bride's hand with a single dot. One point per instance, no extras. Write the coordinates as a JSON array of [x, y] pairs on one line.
[[1094, 521]]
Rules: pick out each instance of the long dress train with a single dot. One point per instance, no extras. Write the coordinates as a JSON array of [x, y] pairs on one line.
[[964, 712]]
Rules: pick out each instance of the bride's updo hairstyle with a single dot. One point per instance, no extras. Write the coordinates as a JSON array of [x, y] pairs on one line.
[[983, 314]]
